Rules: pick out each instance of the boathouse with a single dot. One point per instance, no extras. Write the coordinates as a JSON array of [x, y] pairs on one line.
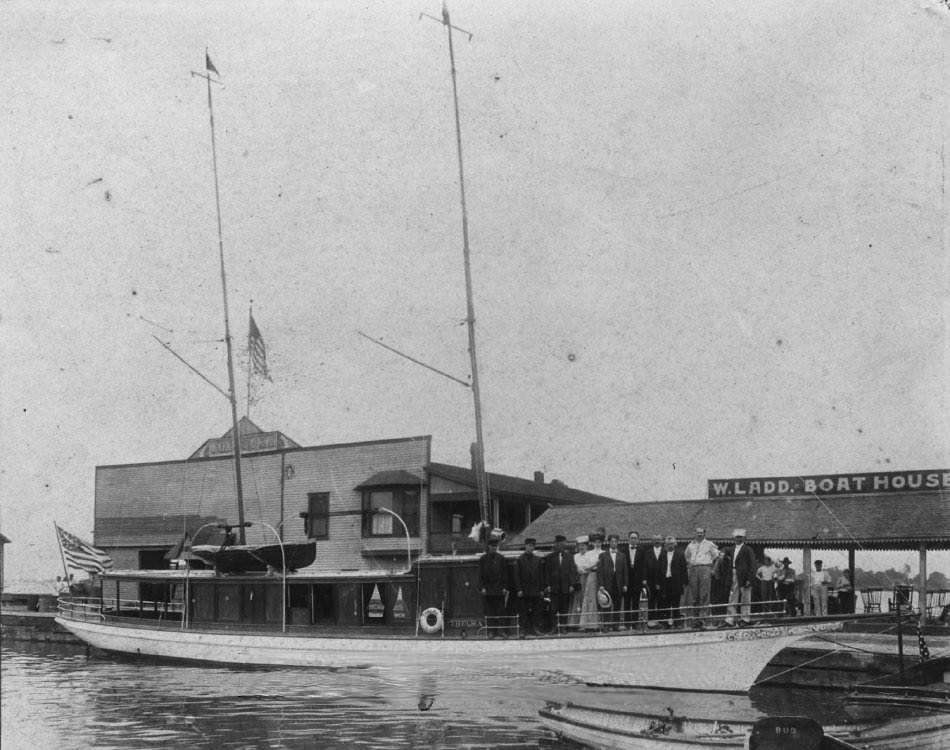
[[334, 494], [856, 513]]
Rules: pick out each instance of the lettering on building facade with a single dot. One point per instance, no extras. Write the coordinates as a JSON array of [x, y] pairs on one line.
[[254, 443], [831, 484]]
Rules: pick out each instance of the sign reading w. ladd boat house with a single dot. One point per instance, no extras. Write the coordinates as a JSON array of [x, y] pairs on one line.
[[831, 484]]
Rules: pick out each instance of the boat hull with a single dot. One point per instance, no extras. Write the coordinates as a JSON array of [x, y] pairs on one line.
[[731, 659], [604, 729]]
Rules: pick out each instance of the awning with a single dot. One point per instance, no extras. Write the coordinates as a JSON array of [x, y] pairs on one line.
[[399, 477]]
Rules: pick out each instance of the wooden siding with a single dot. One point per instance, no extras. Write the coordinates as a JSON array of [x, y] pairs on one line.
[[152, 504]]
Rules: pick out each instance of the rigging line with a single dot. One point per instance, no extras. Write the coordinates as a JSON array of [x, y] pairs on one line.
[[414, 360], [844, 526], [848, 646], [792, 669], [258, 494], [837, 520]]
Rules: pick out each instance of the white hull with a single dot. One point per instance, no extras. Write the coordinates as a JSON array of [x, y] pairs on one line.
[[731, 659], [616, 730]]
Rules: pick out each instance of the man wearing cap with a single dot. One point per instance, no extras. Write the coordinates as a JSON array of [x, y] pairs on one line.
[[529, 583], [700, 555], [562, 581], [493, 583], [785, 581], [741, 560], [613, 577]]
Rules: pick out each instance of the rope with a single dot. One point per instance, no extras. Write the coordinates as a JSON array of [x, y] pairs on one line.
[[792, 669]]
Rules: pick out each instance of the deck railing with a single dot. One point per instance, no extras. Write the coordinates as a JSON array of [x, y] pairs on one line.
[[93, 609]]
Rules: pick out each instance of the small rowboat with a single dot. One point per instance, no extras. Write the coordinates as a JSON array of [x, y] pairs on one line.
[[609, 729]]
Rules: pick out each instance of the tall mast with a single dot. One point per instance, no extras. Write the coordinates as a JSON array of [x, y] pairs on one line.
[[235, 437], [478, 455]]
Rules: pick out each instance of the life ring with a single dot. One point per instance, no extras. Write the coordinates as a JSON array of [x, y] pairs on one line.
[[431, 620]]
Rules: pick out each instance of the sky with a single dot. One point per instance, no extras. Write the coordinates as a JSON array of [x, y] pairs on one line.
[[705, 242]]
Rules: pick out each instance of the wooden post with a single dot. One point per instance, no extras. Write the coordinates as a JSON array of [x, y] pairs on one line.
[[806, 569]]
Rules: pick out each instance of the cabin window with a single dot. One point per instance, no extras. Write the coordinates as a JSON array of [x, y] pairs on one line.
[[318, 515], [403, 501]]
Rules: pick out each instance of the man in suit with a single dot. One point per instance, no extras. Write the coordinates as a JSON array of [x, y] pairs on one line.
[[493, 583], [562, 581], [655, 565], [637, 580], [613, 574], [675, 577], [529, 583], [743, 566]]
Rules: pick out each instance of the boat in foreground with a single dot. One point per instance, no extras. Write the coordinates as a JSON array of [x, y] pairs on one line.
[[921, 688], [609, 729]]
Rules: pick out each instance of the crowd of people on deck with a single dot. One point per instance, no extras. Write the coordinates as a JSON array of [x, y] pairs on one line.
[[601, 585]]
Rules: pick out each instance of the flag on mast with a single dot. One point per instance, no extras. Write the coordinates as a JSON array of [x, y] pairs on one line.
[[209, 66], [81, 555], [256, 350]]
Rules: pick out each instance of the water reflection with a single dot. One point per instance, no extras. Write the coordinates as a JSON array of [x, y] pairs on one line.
[[57, 696]]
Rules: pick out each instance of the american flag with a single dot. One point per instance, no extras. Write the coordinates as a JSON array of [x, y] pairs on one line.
[[80, 555], [257, 351]]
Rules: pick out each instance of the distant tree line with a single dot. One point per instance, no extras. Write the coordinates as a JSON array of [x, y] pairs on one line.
[[888, 579]]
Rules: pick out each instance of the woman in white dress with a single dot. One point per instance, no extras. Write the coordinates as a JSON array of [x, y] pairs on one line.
[[589, 618], [577, 601]]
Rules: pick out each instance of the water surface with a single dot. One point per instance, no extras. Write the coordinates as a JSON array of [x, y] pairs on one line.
[[58, 696]]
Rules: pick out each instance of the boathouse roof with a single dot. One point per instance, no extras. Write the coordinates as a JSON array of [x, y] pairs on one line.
[[895, 521], [554, 490]]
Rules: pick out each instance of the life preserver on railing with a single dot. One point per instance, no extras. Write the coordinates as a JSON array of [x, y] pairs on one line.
[[431, 620]]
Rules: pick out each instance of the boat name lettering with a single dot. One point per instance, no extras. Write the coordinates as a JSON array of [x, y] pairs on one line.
[[751, 635], [460, 622]]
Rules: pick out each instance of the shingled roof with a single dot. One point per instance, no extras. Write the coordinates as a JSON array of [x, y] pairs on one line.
[[896, 521], [503, 484]]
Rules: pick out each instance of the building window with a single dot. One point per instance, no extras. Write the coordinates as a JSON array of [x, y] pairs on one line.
[[318, 515], [403, 501]]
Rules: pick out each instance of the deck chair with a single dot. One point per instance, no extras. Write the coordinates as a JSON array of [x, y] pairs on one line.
[[872, 599]]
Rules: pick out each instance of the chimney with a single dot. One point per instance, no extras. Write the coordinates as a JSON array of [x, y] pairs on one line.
[[539, 477]]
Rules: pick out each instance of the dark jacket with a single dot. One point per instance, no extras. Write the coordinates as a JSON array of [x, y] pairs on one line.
[[679, 571], [655, 568], [613, 577], [744, 565], [561, 578], [493, 574], [529, 575], [636, 556]]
